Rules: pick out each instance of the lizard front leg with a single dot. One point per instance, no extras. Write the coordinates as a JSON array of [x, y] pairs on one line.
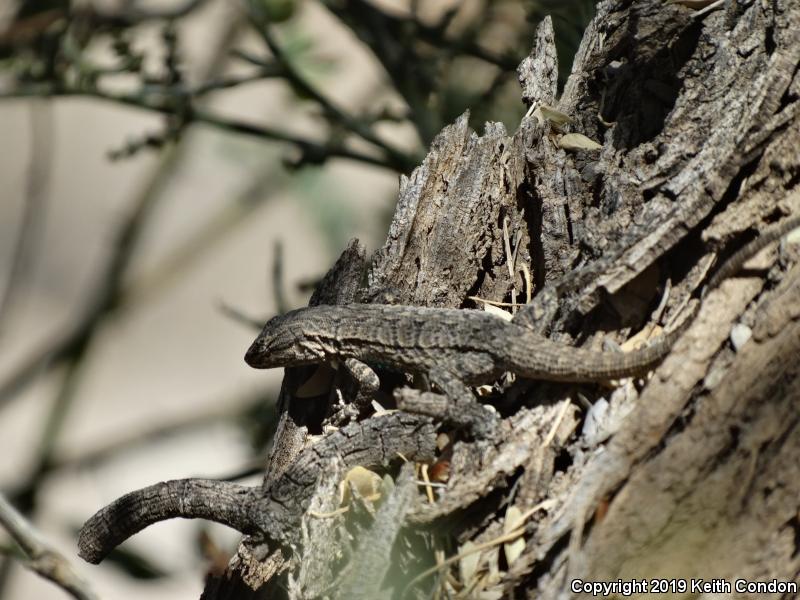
[[367, 379], [366, 382]]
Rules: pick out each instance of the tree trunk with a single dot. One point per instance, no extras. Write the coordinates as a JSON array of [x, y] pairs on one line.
[[690, 473]]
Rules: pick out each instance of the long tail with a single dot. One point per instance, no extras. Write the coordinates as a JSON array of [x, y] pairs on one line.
[[553, 363], [646, 358]]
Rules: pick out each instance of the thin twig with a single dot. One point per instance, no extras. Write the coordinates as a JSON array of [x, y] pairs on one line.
[[526, 273], [316, 151], [266, 72], [226, 409], [266, 176], [355, 125], [136, 15], [435, 35], [36, 187], [278, 288], [240, 316], [710, 8], [510, 263], [426, 481], [556, 424], [513, 533], [40, 557], [491, 302]]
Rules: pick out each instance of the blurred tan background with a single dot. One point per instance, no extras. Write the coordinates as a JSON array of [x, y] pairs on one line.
[[161, 387]]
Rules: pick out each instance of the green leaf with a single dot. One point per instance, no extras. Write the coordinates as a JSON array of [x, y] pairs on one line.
[[275, 11]]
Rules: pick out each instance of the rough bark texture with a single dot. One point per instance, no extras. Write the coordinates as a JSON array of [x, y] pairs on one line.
[[692, 472]]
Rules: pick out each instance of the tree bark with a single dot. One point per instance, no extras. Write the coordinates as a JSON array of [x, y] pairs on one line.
[[689, 473]]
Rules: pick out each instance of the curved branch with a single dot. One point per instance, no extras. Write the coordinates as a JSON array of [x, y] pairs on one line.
[[219, 501], [274, 512]]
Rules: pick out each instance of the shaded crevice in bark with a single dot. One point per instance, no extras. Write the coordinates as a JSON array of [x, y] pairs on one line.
[[644, 89]]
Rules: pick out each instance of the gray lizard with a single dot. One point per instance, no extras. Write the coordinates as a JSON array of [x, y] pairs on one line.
[[457, 348]]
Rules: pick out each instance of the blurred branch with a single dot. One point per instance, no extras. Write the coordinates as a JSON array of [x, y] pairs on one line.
[[367, 14], [415, 54], [39, 556], [266, 72], [33, 19], [266, 176], [435, 35], [400, 59], [249, 57], [36, 186], [75, 348], [278, 289], [416, 74], [65, 343], [73, 344], [170, 96], [104, 302], [254, 466], [312, 151], [135, 15], [353, 124], [240, 316], [225, 409]]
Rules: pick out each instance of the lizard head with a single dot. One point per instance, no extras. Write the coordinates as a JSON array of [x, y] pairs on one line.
[[288, 340]]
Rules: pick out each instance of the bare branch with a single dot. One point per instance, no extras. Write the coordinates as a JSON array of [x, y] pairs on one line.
[[39, 164], [225, 410], [135, 15], [352, 123], [40, 557], [312, 151], [274, 512], [219, 501]]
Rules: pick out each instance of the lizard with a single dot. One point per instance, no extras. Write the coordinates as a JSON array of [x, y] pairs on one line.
[[457, 348]]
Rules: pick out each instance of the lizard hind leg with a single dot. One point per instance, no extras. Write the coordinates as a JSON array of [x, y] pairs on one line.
[[455, 405]]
